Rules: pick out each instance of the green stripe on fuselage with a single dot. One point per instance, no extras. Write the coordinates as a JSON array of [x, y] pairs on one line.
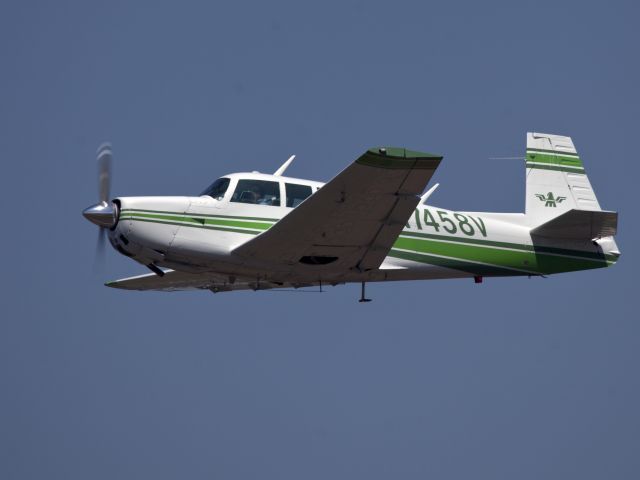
[[466, 254], [199, 220], [208, 227], [526, 262], [538, 249], [193, 214], [456, 264]]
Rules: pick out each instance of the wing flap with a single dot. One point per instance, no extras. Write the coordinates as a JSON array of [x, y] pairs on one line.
[[174, 281]]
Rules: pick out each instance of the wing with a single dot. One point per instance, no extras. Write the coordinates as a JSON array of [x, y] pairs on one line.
[[355, 218], [540, 196], [173, 281]]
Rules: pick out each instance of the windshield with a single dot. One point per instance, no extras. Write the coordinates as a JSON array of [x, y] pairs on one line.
[[217, 189]]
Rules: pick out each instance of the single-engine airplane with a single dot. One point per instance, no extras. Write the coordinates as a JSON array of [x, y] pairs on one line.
[[370, 223]]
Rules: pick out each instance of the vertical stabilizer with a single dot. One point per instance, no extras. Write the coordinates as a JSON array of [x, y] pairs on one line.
[[556, 179]]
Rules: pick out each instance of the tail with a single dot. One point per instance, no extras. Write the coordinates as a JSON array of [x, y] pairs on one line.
[[556, 179], [560, 201]]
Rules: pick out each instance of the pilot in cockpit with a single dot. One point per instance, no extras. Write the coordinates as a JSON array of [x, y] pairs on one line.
[[259, 198], [255, 195]]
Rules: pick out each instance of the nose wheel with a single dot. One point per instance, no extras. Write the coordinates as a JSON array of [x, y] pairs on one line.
[[363, 299]]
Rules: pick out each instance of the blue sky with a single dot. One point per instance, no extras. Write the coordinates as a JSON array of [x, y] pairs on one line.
[[514, 378]]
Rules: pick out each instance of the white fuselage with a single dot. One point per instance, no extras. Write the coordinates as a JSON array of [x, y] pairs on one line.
[[198, 234]]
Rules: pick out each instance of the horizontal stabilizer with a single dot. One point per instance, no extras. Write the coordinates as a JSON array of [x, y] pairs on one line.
[[580, 224]]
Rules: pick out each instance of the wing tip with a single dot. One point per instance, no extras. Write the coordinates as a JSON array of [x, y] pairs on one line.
[[113, 284], [397, 157], [401, 152]]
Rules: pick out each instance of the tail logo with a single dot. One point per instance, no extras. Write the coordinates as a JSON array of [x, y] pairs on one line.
[[550, 200]]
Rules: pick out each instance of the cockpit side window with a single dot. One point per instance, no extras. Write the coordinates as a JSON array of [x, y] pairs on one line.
[[217, 189], [296, 194], [257, 192]]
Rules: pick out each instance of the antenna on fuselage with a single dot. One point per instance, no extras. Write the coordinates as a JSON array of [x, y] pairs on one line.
[[284, 166], [428, 193]]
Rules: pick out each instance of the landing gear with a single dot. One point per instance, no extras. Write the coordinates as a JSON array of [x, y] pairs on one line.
[[155, 270], [362, 297]]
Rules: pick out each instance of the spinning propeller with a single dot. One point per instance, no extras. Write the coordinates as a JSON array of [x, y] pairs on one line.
[[104, 213]]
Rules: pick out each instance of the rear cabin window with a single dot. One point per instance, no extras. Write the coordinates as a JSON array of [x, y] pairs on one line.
[[296, 194], [257, 192], [217, 189]]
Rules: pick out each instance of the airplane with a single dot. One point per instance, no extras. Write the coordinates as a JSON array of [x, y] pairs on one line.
[[370, 223]]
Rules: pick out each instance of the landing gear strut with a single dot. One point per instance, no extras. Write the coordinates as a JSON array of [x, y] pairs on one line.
[[362, 297]]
